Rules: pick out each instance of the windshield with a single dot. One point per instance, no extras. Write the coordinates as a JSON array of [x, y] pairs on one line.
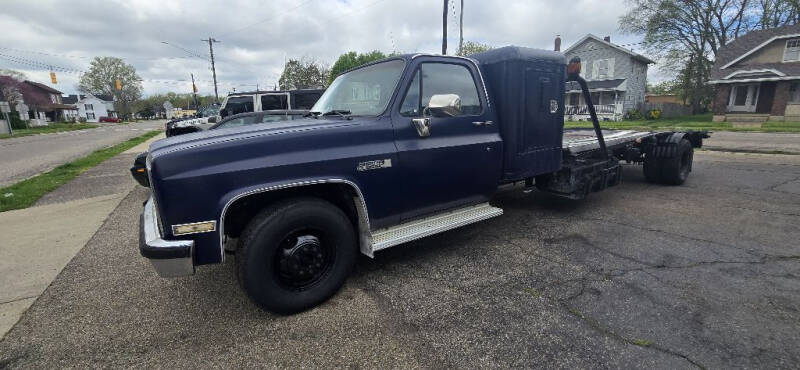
[[363, 92]]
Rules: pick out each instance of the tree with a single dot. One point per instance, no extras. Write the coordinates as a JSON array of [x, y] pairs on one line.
[[776, 13], [101, 79], [472, 47], [350, 60], [303, 74], [10, 91], [685, 35]]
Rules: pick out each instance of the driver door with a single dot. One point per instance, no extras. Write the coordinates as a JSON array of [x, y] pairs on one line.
[[458, 162]]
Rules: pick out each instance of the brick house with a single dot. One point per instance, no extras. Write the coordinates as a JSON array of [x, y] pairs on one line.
[[758, 77], [40, 103]]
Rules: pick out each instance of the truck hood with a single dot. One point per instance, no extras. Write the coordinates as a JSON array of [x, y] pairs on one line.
[[210, 137]]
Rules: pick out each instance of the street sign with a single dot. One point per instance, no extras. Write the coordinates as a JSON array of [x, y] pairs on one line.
[[4, 107]]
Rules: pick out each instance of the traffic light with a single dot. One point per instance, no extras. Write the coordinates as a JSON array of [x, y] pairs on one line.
[[118, 83], [53, 78]]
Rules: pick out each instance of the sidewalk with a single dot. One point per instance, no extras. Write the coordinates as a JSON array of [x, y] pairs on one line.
[[39, 241], [758, 142]]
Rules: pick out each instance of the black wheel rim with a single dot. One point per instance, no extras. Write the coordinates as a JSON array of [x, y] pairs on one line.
[[303, 259]]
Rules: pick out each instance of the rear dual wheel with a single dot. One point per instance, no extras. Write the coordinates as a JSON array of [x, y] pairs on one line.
[[296, 254], [673, 170]]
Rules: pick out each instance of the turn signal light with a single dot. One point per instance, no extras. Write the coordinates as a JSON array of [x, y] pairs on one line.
[[193, 228]]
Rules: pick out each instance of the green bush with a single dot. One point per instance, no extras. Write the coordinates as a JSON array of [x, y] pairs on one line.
[[634, 115], [16, 122], [654, 114]]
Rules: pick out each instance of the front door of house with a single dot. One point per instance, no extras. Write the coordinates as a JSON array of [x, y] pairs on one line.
[[744, 98]]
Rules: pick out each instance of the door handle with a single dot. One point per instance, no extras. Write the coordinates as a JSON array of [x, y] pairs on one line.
[[482, 123], [423, 126]]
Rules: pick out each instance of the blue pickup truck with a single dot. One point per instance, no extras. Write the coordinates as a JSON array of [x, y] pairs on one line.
[[393, 151]]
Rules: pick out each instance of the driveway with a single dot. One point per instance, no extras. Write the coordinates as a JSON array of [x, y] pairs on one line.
[[639, 276], [27, 156]]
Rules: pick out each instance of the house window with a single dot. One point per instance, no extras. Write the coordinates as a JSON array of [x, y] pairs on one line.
[[90, 115], [603, 69], [792, 52], [88, 107], [794, 92]]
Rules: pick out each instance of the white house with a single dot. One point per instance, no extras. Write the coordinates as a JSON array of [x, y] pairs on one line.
[[92, 107], [616, 78]]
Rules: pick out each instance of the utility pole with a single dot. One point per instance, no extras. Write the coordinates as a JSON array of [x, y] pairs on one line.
[[444, 28], [461, 29], [211, 42], [194, 92]]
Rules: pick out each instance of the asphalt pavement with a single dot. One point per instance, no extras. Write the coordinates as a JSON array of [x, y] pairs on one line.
[[27, 156], [638, 276]]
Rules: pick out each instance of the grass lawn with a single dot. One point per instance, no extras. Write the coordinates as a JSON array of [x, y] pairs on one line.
[[696, 122], [53, 127], [26, 192]]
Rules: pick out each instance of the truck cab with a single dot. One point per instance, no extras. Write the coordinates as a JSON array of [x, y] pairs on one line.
[[393, 151]]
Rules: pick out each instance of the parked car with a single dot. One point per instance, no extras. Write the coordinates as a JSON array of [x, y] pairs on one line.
[[109, 119], [258, 101], [396, 150], [138, 170]]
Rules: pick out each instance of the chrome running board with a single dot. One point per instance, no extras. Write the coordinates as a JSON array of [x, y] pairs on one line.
[[413, 230]]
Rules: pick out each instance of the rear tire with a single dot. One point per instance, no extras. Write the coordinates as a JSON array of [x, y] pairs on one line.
[[673, 170], [295, 254]]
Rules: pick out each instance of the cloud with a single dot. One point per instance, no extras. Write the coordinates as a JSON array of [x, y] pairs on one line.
[[257, 36]]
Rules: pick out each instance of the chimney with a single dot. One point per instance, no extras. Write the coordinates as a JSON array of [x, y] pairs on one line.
[[607, 39], [558, 43]]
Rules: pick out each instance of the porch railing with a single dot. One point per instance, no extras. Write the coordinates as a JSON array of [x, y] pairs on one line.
[[583, 109]]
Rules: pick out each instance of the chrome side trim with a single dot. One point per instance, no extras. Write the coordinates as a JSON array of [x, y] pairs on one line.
[[361, 208]]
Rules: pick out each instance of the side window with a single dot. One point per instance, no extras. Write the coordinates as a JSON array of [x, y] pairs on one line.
[[305, 100], [410, 106], [439, 79], [239, 104], [276, 101]]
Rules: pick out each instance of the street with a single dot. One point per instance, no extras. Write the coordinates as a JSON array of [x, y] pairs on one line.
[[638, 276], [27, 156]]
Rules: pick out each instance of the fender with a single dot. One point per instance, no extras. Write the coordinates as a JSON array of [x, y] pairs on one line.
[[365, 239]]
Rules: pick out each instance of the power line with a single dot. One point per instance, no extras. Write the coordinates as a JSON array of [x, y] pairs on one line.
[[185, 50], [80, 56]]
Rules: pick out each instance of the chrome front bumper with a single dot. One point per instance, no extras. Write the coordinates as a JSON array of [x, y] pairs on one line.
[[170, 258]]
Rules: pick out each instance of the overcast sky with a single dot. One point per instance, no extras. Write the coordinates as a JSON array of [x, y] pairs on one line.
[[256, 36]]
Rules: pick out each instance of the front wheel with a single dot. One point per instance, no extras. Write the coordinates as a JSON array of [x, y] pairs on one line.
[[296, 254]]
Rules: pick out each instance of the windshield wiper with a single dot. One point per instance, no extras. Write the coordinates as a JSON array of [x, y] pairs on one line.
[[313, 114], [344, 113]]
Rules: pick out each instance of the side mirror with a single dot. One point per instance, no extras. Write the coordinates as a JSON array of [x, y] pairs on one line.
[[212, 119], [445, 105]]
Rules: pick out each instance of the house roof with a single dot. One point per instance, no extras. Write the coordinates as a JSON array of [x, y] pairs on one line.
[[726, 70], [43, 87], [633, 54]]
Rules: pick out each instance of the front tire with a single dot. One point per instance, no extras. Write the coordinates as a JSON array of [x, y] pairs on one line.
[[296, 254]]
